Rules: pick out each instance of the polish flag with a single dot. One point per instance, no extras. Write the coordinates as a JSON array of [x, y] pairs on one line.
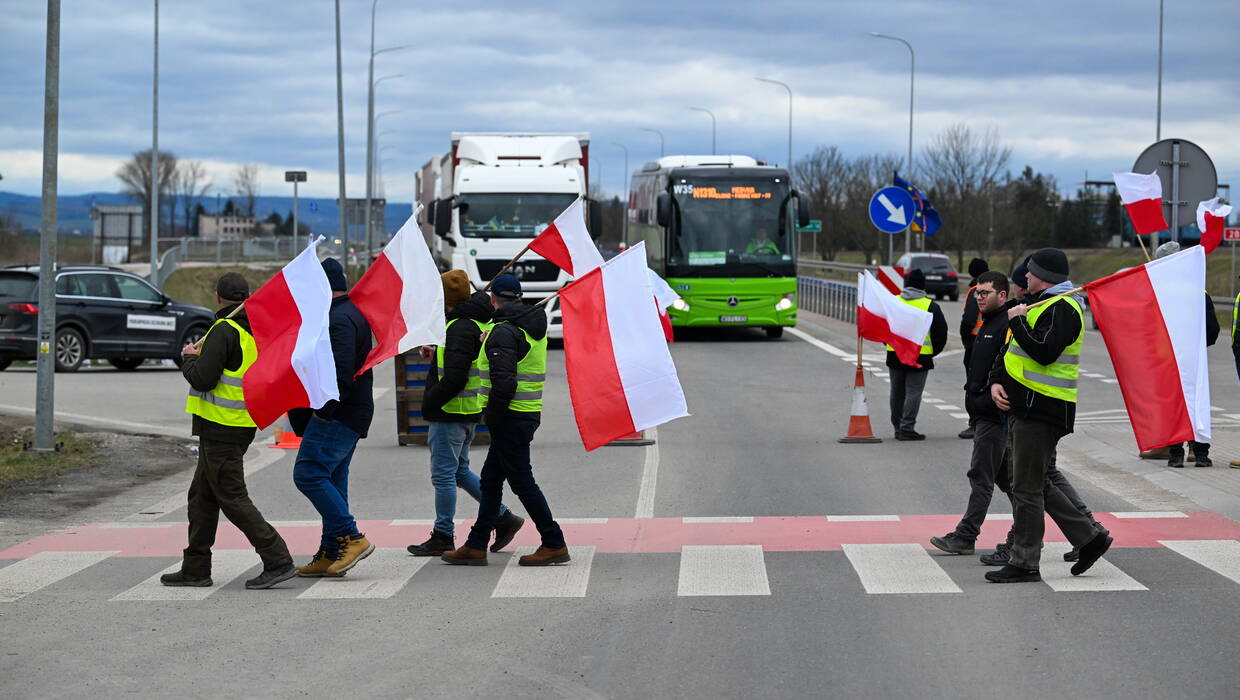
[[1154, 324], [1142, 198], [621, 378], [567, 243], [663, 298], [883, 318], [1211, 217], [288, 316], [401, 296]]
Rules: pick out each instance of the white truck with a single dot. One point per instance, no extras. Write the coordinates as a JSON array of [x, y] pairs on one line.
[[489, 196]]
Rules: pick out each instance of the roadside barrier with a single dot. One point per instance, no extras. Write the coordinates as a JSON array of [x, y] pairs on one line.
[[285, 438], [834, 299], [859, 430]]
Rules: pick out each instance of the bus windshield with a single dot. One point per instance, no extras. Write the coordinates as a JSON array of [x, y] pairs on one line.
[[730, 228], [504, 215]]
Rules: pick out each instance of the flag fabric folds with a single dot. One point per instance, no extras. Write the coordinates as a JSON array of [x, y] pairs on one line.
[[883, 318], [1142, 198], [288, 317], [401, 297], [567, 243], [621, 378], [1211, 218], [926, 218], [1152, 319], [663, 298]]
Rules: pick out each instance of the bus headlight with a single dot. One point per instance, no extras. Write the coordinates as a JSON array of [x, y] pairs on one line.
[[680, 304], [784, 304]]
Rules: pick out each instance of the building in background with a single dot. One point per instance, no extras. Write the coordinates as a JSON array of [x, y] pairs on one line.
[[232, 227]]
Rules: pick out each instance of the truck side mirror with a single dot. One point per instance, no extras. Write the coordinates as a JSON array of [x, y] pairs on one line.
[[441, 214], [802, 210], [595, 218], [663, 210]]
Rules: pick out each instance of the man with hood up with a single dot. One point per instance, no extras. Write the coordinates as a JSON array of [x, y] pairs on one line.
[[452, 406], [514, 367]]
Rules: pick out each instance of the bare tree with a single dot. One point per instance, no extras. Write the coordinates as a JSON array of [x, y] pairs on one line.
[[245, 184], [821, 176], [135, 175], [964, 169], [191, 185]]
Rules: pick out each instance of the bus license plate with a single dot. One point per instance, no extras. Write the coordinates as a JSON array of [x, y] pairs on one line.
[[733, 319]]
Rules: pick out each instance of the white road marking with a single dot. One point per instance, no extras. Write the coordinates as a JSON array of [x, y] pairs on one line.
[[1233, 416], [863, 518], [719, 519], [650, 477], [412, 523], [722, 570], [296, 523], [821, 345], [1103, 412], [949, 353], [564, 581], [947, 407], [1102, 576], [926, 400], [1110, 381], [581, 521], [253, 463], [1133, 514], [1093, 375], [898, 568], [958, 415], [1220, 556], [43, 569], [379, 576], [226, 565], [128, 426], [998, 516]]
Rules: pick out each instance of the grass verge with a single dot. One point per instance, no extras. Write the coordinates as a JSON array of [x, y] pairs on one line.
[[196, 285], [20, 464]]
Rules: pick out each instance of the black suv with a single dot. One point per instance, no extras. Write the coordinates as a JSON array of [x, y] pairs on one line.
[[941, 278], [101, 312]]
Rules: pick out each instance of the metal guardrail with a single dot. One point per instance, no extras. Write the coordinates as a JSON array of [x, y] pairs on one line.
[[834, 299]]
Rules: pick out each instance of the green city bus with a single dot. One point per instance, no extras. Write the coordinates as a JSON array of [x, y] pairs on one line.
[[722, 231]]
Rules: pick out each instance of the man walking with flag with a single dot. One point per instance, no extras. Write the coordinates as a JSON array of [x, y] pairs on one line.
[[1037, 385], [515, 366], [909, 381]]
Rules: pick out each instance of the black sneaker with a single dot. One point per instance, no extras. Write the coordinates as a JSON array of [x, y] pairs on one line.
[[438, 545], [909, 436], [271, 577], [180, 578], [1072, 554], [953, 543], [1203, 461], [1091, 552], [1000, 557], [1013, 574], [505, 529], [967, 433], [1176, 461]]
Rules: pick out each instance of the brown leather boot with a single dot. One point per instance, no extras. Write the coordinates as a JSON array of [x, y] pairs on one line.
[[545, 556], [465, 556]]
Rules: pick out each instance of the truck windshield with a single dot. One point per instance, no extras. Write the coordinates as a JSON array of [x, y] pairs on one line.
[[502, 215], [731, 228]]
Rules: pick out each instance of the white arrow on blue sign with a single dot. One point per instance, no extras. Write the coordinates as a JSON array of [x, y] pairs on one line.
[[892, 209], [314, 207]]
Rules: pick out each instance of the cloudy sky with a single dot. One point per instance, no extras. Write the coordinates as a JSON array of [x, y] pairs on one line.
[[1070, 86]]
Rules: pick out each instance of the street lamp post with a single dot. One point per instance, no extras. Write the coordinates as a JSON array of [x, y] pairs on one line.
[[370, 164], [370, 117], [155, 159], [624, 210], [660, 135], [295, 176], [912, 73], [45, 357], [785, 86], [712, 126], [1158, 119], [343, 225]]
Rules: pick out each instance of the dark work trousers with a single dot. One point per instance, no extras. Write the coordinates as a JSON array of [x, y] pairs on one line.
[[219, 485], [1056, 477], [508, 459], [1200, 449], [1034, 496], [907, 383], [987, 469]]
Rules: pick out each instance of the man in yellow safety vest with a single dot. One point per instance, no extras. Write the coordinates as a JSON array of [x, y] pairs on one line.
[[907, 382]]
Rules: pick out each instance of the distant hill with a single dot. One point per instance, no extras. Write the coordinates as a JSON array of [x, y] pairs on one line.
[[73, 211]]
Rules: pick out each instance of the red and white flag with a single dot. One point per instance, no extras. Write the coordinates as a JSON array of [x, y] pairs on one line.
[[288, 317], [620, 373], [883, 318], [1153, 320], [663, 298], [1142, 198], [567, 243], [1211, 218], [401, 296]]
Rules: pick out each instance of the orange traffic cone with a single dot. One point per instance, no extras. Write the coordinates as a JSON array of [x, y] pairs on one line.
[[859, 429], [637, 439], [286, 439]]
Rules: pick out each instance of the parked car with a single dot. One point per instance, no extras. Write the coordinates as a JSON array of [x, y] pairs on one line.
[[941, 278], [101, 313]]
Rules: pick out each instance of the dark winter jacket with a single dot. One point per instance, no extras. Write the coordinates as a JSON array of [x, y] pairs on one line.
[[351, 343], [968, 320], [460, 349], [938, 335], [220, 351], [1056, 329], [505, 346], [989, 344], [1212, 328]]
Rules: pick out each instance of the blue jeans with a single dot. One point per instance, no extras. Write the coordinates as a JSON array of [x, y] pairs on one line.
[[321, 473], [449, 443]]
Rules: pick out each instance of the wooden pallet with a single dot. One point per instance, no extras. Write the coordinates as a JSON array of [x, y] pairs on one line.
[[411, 428]]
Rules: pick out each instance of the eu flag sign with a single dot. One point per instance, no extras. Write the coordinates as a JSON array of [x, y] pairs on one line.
[[926, 218]]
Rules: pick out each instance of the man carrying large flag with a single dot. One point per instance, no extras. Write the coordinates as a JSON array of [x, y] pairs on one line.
[[908, 379]]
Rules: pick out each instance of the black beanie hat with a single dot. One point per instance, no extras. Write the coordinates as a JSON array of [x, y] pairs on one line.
[[1049, 265], [1020, 276], [915, 279], [335, 275], [977, 266]]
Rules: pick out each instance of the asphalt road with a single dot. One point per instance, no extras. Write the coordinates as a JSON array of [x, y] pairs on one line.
[[747, 554]]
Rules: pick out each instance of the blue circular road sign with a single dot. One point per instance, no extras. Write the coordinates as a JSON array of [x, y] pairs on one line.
[[892, 209], [314, 206]]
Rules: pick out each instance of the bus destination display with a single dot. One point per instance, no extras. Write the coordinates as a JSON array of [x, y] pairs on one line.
[[733, 192]]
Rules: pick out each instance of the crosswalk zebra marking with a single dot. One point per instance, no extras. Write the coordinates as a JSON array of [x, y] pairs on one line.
[[1219, 556], [381, 575], [43, 569], [722, 570], [1102, 576], [564, 581], [226, 565], [1141, 514], [898, 568], [717, 519], [863, 518]]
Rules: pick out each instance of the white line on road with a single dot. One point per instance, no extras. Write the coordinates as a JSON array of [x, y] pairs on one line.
[[958, 415], [718, 519], [581, 521], [946, 407], [412, 523], [1220, 556], [650, 477], [226, 565], [380, 576], [43, 569], [1110, 381], [898, 568], [1133, 514], [566, 581], [931, 401], [1102, 576], [125, 425], [949, 353], [822, 345], [719, 570], [863, 518], [253, 463]]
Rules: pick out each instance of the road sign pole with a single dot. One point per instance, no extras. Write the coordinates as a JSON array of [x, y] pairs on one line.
[[296, 231], [1233, 271], [1175, 191], [44, 396]]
